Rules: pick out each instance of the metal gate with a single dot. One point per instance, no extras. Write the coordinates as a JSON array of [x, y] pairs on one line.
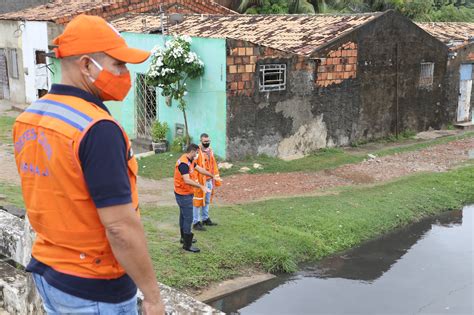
[[145, 104], [4, 85], [465, 88]]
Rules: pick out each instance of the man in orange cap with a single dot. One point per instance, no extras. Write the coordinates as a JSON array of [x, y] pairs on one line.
[[78, 177]]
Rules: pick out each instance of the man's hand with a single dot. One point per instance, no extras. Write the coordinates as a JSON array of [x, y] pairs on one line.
[[153, 308], [205, 189]]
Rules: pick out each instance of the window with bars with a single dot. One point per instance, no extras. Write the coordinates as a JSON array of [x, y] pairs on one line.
[[426, 74], [272, 77], [145, 103]]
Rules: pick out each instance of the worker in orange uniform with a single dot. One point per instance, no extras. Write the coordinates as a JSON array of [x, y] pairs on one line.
[[79, 181], [202, 200], [185, 180]]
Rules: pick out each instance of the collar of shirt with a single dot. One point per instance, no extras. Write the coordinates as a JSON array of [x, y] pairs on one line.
[[62, 89], [206, 150]]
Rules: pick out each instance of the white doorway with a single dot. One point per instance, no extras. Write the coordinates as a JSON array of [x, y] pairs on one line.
[[465, 89]]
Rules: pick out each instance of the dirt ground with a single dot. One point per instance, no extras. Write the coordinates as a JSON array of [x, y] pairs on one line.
[[246, 188], [8, 173]]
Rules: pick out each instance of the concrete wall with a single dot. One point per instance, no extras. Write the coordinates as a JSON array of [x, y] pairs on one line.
[[344, 93], [463, 55], [35, 37], [11, 37]]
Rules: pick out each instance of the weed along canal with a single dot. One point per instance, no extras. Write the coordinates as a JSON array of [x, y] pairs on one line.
[[424, 268]]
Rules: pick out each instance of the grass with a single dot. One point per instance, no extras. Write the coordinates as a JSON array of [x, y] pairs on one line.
[[13, 195], [158, 166], [6, 124], [277, 235], [162, 165]]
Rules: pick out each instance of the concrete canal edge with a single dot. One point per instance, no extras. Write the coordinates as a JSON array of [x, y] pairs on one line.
[[227, 287]]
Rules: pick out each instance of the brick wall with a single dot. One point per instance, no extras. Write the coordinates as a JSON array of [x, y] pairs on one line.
[[338, 65], [111, 10], [242, 59]]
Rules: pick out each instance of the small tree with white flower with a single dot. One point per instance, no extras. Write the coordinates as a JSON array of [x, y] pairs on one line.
[[171, 66]]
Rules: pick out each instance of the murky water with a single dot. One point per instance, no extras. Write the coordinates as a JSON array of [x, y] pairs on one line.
[[426, 268]]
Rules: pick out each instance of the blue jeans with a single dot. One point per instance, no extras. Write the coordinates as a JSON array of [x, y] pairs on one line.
[[205, 209], [185, 203], [58, 302]]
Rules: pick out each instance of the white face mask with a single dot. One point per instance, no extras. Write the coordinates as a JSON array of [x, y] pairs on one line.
[[197, 156]]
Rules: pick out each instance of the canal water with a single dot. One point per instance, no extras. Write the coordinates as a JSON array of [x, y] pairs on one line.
[[425, 268]]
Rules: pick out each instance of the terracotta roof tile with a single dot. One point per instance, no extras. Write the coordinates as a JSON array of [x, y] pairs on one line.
[[61, 11], [453, 34], [300, 34], [56, 10]]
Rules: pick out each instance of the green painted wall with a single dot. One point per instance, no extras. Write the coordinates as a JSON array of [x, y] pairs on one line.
[[206, 98], [207, 102]]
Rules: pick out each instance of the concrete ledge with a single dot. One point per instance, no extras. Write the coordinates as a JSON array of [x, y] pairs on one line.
[[465, 125], [17, 288], [227, 287]]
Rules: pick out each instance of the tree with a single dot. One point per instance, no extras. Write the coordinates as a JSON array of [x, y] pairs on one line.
[[171, 67], [420, 10]]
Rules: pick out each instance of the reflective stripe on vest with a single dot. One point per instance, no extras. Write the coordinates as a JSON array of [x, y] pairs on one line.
[[60, 111]]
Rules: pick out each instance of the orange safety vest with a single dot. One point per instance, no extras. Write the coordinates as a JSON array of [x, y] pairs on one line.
[[208, 162], [70, 237], [180, 187]]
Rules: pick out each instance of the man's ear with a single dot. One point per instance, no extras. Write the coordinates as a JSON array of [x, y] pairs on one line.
[[85, 65]]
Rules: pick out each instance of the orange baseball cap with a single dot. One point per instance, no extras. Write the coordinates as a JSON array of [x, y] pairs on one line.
[[87, 34]]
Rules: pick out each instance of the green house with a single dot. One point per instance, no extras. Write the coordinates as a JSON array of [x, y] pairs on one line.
[[206, 98]]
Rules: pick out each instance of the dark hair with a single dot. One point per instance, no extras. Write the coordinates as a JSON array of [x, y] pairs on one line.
[[192, 147], [204, 135]]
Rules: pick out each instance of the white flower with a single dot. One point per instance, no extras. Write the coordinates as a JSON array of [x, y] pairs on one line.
[[186, 38]]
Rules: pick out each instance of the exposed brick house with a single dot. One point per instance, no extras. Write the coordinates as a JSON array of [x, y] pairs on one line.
[[296, 83], [459, 94], [27, 33]]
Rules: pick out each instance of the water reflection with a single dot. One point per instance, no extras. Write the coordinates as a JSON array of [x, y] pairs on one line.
[[425, 268]]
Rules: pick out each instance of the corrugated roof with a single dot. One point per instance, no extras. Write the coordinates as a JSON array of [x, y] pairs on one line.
[[300, 34], [453, 34]]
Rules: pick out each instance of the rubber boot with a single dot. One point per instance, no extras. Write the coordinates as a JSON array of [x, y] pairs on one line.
[[181, 240], [188, 243]]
